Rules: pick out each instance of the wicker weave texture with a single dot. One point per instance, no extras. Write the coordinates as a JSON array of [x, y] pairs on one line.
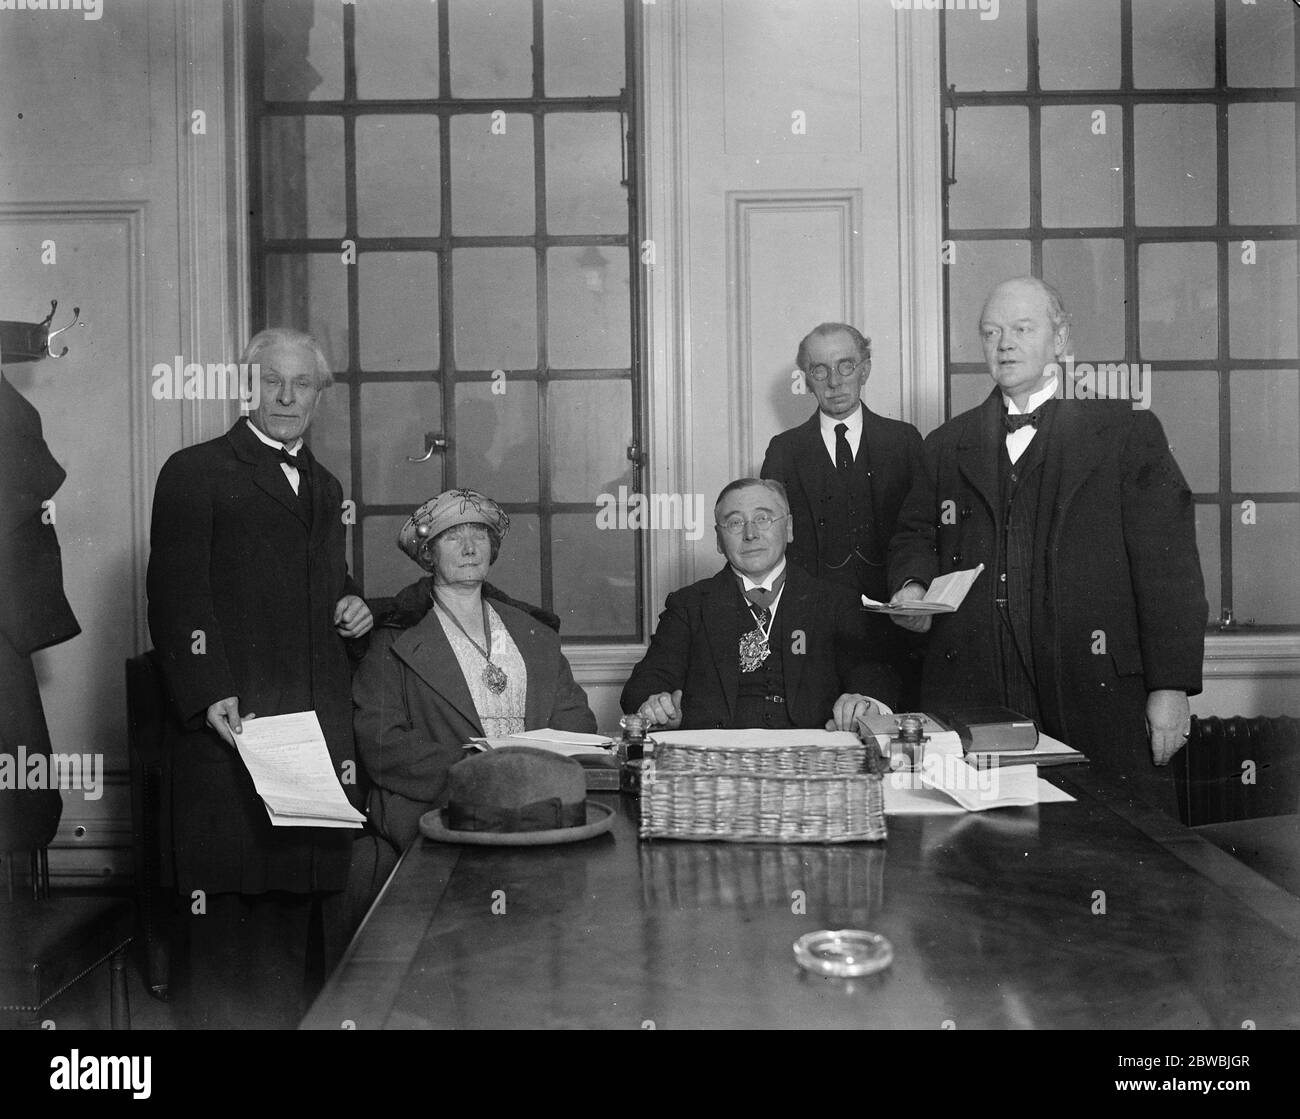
[[802, 794]]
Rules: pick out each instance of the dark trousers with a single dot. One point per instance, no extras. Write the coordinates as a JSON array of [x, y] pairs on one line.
[[256, 961]]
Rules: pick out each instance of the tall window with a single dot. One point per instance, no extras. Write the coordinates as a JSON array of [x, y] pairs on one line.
[[446, 199], [1141, 156]]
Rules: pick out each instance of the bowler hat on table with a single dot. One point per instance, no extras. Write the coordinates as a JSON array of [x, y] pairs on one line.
[[516, 796]]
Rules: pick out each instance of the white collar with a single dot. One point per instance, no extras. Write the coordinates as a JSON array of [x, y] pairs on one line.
[[766, 584], [1040, 397], [853, 421], [297, 443]]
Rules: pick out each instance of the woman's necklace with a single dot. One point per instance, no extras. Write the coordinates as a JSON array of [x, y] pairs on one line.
[[493, 677]]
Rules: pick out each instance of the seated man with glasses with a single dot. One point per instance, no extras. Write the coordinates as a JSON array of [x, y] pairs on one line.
[[761, 643], [847, 472]]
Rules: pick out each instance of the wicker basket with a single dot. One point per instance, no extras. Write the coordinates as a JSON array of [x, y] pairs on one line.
[[757, 793]]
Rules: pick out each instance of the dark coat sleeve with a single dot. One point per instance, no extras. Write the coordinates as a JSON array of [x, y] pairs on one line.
[[182, 616], [859, 671], [570, 710], [663, 668], [912, 552], [1160, 536]]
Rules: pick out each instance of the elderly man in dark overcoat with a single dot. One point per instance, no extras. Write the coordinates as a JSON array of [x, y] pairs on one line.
[[1090, 613], [250, 606]]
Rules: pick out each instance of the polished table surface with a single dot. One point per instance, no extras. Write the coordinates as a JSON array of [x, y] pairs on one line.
[[1097, 914]]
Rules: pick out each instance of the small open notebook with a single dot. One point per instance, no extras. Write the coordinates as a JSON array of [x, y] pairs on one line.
[[943, 596], [291, 769]]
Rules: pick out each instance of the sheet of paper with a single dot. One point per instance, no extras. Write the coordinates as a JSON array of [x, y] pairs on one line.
[[905, 795], [291, 769], [943, 596]]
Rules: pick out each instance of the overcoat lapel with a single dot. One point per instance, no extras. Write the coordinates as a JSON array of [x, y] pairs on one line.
[[978, 447], [425, 650], [267, 475], [792, 613]]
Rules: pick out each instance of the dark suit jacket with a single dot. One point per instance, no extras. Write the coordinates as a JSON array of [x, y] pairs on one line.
[[1118, 603], [34, 612], [232, 560], [696, 648], [414, 713], [888, 455]]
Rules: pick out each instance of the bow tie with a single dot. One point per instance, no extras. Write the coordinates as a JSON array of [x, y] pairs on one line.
[[297, 461], [1015, 423]]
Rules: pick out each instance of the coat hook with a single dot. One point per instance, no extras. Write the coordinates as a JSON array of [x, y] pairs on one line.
[[76, 321]]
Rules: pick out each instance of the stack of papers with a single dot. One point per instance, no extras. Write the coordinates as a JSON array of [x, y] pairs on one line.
[[291, 769], [566, 743]]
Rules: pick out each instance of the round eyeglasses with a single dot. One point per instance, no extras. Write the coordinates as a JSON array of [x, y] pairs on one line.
[[845, 368], [761, 521]]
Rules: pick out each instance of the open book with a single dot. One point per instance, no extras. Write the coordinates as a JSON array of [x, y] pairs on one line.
[[566, 743], [944, 595]]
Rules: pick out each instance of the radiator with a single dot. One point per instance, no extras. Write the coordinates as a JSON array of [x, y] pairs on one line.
[[1237, 769]]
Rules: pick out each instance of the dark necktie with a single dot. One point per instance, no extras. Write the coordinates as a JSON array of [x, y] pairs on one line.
[[1015, 423], [843, 453], [301, 462]]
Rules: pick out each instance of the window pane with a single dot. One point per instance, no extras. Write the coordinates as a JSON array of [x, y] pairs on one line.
[[1083, 178], [1262, 300], [1265, 431], [397, 49], [403, 412], [1078, 44], [309, 291], [1174, 147], [983, 53], [491, 48], [398, 314], [492, 175], [595, 585], [992, 187], [399, 189], [1187, 405], [331, 434], [1207, 545], [1089, 274], [1261, 163], [1173, 44], [588, 324], [977, 266], [591, 426], [584, 47], [388, 568], [967, 391], [302, 177], [584, 153], [518, 569], [1261, 45], [496, 439], [495, 304], [1264, 586], [1178, 301], [303, 50]]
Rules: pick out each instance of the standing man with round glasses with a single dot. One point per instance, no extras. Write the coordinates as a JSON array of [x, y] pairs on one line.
[[847, 471]]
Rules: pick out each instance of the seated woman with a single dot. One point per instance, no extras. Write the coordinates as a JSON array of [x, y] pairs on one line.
[[463, 670]]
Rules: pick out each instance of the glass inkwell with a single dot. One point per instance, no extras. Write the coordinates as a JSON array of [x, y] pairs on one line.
[[630, 752]]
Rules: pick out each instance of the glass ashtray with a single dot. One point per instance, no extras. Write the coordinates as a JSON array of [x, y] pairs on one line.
[[843, 953]]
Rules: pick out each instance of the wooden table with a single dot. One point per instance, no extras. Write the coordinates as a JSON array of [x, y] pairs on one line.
[[1098, 914]]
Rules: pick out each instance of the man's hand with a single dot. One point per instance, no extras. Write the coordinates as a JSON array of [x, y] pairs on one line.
[[663, 710], [1169, 722], [910, 592], [848, 709], [352, 617], [223, 717]]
